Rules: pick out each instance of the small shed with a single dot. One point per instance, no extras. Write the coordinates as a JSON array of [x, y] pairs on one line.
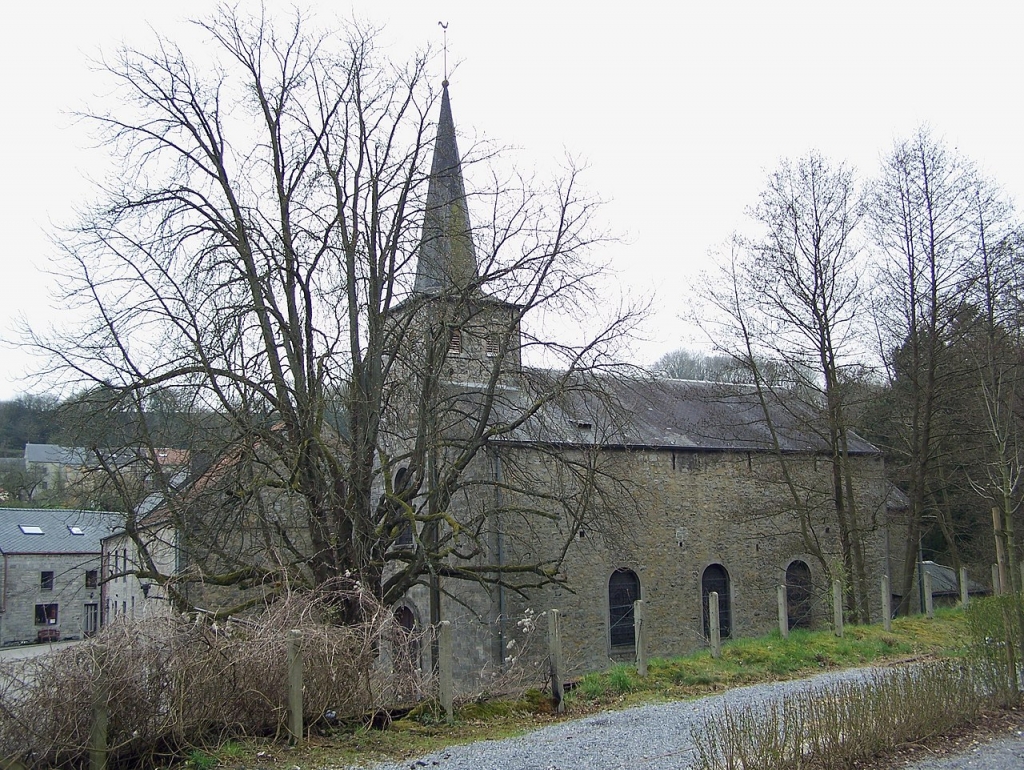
[[946, 587]]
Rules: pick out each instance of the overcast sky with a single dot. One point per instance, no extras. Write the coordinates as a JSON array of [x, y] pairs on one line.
[[679, 113]]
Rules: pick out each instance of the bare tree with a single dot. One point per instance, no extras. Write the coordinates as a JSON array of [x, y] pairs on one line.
[[685, 364], [793, 296], [279, 259], [994, 347], [924, 212], [19, 485], [807, 279]]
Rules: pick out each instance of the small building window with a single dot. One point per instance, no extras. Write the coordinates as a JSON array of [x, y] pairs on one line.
[[623, 590], [46, 581], [27, 529], [92, 578], [46, 614], [455, 340], [406, 641], [75, 530]]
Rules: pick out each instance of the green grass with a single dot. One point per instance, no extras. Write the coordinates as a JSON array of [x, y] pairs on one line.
[[766, 658], [743, 661], [200, 760]]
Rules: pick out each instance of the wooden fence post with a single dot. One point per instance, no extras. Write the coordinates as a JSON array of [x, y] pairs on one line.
[[886, 604], [783, 612], [929, 602], [715, 628], [1005, 585], [295, 727], [996, 589], [837, 607], [555, 661], [640, 636], [965, 595], [100, 717], [445, 675]]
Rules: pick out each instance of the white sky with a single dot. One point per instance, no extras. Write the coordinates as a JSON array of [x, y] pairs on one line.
[[679, 112]]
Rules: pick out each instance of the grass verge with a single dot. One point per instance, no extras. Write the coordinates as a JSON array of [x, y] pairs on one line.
[[744, 661]]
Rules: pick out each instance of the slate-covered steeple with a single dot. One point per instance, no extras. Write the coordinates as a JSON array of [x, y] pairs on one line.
[[446, 260]]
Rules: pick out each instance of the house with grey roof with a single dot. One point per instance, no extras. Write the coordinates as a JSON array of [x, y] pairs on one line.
[[51, 573], [124, 594], [70, 474], [56, 466]]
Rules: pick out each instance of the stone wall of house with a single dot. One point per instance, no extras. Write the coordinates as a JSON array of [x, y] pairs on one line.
[[125, 594], [681, 513], [23, 589]]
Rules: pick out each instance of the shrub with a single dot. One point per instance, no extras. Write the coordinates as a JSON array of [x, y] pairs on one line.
[[995, 625], [171, 684], [834, 725]]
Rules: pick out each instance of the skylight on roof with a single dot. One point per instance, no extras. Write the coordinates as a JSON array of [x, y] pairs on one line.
[[27, 529], [75, 530]]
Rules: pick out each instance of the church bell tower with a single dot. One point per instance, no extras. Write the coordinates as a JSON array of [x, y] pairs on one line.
[[468, 331]]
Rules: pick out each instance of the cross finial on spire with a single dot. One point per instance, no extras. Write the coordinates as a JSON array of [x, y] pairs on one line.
[[444, 26]]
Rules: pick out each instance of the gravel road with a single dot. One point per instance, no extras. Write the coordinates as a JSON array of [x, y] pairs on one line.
[[657, 737], [999, 754]]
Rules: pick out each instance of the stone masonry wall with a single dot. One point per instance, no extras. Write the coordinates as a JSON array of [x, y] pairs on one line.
[[22, 591], [704, 509], [694, 510]]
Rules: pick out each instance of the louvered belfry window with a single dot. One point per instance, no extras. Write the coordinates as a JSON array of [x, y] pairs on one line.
[[455, 340]]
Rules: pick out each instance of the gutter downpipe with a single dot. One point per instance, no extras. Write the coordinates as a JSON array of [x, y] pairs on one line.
[[3, 596], [3, 601], [500, 554]]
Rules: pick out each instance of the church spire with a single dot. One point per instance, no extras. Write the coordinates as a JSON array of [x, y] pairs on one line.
[[446, 259]]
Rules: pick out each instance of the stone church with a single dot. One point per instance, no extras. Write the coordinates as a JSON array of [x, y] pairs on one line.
[[580, 489], [695, 499]]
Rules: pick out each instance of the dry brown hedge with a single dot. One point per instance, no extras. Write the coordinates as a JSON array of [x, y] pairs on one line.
[[172, 683]]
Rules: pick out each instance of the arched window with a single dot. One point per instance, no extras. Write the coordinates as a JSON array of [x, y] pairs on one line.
[[623, 590], [406, 641], [402, 480], [798, 594], [716, 579]]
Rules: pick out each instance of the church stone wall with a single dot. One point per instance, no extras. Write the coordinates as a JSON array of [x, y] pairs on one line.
[[709, 509], [692, 510]]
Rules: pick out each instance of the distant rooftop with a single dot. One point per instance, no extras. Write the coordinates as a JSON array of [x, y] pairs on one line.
[[80, 456], [55, 454]]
